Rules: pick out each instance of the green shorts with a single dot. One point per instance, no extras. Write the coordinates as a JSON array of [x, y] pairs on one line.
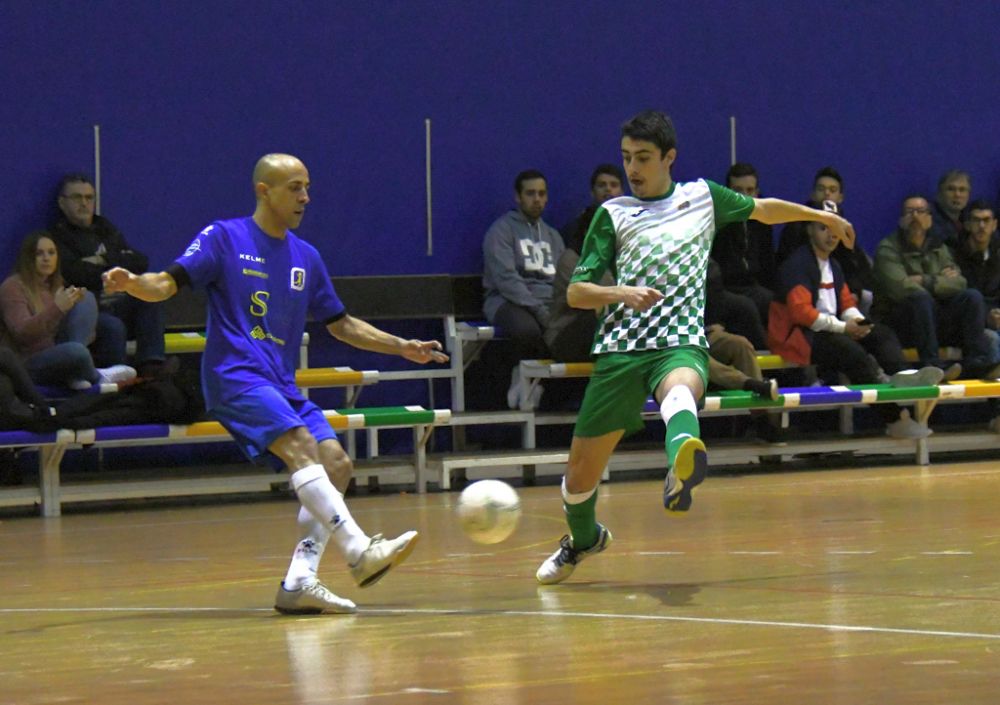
[[621, 383]]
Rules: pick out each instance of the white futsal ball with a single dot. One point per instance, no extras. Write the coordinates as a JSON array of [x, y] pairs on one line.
[[488, 511]]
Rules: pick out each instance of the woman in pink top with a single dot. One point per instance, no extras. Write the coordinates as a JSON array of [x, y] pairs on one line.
[[51, 324]]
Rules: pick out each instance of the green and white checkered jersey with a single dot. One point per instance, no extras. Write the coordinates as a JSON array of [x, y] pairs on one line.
[[662, 243]]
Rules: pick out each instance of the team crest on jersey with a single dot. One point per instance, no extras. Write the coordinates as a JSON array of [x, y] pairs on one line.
[[298, 282]]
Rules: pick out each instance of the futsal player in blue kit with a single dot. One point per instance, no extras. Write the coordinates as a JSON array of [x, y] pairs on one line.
[[262, 281]]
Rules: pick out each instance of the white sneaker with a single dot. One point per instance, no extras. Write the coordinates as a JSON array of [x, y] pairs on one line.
[[381, 555], [561, 564], [906, 427], [924, 377], [313, 598], [116, 374], [79, 385]]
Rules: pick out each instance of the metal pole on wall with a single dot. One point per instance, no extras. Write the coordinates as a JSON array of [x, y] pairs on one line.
[[97, 169], [732, 140], [427, 181]]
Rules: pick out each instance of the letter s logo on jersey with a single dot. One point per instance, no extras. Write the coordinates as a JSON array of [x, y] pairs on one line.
[[258, 303], [298, 282]]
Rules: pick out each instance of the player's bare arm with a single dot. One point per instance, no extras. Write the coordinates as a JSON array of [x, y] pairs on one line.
[[590, 296], [773, 211], [365, 336], [158, 286]]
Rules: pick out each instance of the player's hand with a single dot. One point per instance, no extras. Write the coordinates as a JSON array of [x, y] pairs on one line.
[[842, 229], [116, 279], [66, 297], [856, 330], [640, 298], [423, 351]]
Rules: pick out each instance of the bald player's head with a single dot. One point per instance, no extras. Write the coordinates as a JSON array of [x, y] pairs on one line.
[[281, 185], [273, 168]]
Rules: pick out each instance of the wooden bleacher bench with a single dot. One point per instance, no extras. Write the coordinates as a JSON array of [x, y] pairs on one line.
[[51, 494], [924, 400], [51, 447]]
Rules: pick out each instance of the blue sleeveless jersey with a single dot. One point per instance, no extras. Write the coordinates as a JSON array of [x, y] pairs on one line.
[[260, 291]]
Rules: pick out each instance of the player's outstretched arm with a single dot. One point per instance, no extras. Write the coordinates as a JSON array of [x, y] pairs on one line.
[[365, 336], [774, 211], [587, 295], [151, 286]]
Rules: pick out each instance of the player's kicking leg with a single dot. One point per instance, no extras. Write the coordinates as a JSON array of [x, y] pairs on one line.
[[687, 459]]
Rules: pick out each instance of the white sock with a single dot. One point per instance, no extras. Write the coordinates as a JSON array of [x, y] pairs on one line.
[[578, 498], [326, 504], [679, 398], [308, 553]]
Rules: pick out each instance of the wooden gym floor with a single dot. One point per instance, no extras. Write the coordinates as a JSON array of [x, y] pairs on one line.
[[875, 585]]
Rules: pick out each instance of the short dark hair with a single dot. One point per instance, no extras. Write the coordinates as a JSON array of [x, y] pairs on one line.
[[528, 175], [608, 169], [980, 204], [652, 126], [830, 172], [912, 196], [77, 177], [952, 175], [741, 169]]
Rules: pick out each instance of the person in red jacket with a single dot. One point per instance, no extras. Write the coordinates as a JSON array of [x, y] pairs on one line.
[[814, 320]]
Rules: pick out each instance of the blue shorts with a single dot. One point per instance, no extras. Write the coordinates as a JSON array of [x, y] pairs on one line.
[[260, 416]]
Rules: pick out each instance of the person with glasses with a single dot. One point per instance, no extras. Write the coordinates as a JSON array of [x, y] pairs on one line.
[[921, 293], [89, 245]]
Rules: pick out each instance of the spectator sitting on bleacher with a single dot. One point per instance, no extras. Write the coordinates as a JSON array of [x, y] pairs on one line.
[[50, 324], [520, 252], [979, 259], [815, 321], [570, 332], [828, 185], [89, 245], [922, 295], [953, 191], [745, 251], [732, 359]]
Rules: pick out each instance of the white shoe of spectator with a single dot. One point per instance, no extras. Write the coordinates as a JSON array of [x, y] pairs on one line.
[[924, 377], [116, 374], [514, 391], [80, 385], [906, 427], [535, 396]]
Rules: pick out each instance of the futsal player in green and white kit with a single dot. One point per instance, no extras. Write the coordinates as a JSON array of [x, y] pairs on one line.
[[651, 338]]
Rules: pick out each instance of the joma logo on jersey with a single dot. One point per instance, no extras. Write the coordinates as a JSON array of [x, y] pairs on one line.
[[298, 282], [192, 248], [253, 258]]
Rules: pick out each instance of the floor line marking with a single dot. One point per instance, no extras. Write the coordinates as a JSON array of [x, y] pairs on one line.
[[540, 613]]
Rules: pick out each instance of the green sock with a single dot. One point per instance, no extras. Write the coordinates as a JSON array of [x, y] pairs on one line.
[[582, 520], [681, 426]]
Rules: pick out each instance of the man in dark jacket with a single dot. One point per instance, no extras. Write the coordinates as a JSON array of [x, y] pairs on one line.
[[89, 245], [745, 251]]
